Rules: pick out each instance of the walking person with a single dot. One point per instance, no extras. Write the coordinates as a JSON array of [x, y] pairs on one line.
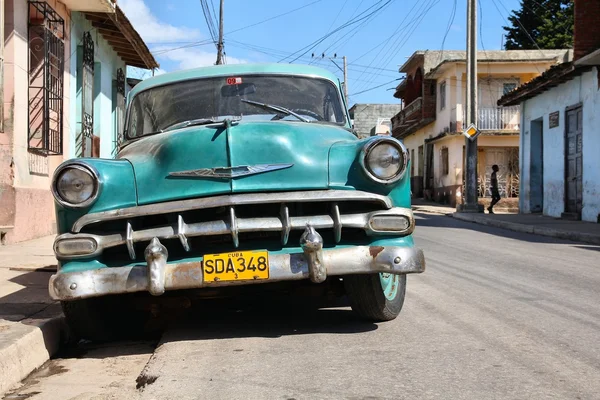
[[494, 187]]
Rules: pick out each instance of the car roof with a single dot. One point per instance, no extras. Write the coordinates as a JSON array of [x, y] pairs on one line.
[[233, 70]]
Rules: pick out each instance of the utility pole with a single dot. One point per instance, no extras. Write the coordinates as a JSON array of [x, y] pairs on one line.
[[346, 79], [471, 200], [220, 44], [344, 70]]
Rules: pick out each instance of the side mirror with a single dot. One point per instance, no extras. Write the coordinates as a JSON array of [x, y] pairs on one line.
[[238, 90]]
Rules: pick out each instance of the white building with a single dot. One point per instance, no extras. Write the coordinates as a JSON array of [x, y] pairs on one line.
[[560, 134]]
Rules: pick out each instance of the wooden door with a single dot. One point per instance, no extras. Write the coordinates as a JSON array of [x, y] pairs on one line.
[[574, 162]]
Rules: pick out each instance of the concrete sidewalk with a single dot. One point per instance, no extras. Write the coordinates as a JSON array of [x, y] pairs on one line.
[[577, 231], [31, 324]]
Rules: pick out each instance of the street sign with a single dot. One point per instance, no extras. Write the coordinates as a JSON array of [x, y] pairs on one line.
[[471, 132]]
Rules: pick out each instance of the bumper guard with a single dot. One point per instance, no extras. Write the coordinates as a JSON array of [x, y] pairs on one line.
[[315, 264]]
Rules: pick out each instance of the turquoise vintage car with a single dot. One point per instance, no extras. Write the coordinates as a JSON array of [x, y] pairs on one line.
[[235, 175]]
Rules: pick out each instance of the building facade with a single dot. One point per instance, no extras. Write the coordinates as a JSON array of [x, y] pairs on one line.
[[373, 119], [46, 93], [431, 121], [560, 136]]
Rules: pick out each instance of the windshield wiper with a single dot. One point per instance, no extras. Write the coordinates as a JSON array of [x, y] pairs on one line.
[[193, 122], [275, 108]]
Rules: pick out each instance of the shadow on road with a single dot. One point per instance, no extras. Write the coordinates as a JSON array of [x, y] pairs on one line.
[[270, 316], [442, 221], [266, 322]]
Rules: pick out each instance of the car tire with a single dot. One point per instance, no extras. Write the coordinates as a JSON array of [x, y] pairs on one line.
[[102, 319], [376, 297]]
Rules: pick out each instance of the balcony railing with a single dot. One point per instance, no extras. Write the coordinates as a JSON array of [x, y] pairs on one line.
[[409, 114], [499, 119]]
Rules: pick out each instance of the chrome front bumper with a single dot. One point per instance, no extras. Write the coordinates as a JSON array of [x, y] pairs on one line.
[[315, 263]]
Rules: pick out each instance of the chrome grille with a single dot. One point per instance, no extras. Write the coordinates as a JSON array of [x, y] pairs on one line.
[[232, 216]]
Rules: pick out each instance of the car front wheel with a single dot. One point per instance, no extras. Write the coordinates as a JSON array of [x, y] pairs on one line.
[[377, 297]]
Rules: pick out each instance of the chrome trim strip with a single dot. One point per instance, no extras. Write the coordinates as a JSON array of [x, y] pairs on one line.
[[230, 200], [234, 226], [337, 222], [286, 226], [282, 267], [129, 241], [230, 172], [181, 228]]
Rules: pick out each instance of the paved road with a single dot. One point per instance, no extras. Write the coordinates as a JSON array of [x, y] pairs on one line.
[[497, 315]]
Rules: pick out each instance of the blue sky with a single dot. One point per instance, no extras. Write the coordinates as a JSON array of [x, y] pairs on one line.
[[177, 33]]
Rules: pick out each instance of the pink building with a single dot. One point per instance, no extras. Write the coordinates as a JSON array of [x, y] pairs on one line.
[[41, 79]]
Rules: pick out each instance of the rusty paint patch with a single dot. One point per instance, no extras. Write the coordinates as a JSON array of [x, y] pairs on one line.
[[187, 275], [375, 250]]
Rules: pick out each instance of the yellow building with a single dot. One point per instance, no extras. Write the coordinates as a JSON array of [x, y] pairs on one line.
[[432, 118]]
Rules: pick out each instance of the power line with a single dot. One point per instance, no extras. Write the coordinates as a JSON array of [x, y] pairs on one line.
[[204, 42], [385, 41], [385, 60], [395, 35], [314, 44], [274, 17], [209, 20], [523, 28], [375, 87], [279, 53], [450, 22], [518, 21]]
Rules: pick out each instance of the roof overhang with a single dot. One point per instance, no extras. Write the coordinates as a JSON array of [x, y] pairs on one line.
[[118, 31], [416, 57], [553, 77], [105, 6], [441, 67], [592, 59]]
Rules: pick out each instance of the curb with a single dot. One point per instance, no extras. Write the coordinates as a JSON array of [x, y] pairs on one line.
[[24, 347], [541, 231]]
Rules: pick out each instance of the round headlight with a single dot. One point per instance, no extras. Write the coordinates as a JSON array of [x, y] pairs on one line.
[[384, 160], [75, 185]]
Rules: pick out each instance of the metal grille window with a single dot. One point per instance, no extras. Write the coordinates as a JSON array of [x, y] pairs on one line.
[[119, 109], [46, 74], [442, 95], [85, 137]]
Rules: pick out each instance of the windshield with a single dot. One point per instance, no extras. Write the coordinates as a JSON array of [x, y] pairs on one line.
[[250, 97]]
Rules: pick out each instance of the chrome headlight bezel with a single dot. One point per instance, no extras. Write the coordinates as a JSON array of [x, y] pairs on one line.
[[370, 145], [82, 167]]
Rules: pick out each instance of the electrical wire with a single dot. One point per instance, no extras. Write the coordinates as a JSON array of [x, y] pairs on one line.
[[450, 22], [213, 41], [375, 87], [393, 51], [273, 17], [314, 44]]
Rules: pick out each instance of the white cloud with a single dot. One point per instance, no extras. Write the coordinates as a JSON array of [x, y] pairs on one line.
[[151, 28], [192, 57]]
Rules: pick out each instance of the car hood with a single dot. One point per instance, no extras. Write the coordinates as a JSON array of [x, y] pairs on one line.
[[304, 145]]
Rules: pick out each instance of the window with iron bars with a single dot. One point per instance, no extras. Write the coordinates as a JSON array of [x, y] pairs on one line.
[[46, 73]]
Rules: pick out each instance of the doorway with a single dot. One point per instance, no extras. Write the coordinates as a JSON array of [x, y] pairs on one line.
[[536, 167], [574, 163]]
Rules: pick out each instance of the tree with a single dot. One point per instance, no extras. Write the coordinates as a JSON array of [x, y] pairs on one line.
[[544, 23]]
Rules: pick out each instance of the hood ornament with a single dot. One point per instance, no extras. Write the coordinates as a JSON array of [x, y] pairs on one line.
[[230, 172]]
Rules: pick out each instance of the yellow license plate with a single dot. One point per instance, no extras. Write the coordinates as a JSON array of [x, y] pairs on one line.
[[238, 266]]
